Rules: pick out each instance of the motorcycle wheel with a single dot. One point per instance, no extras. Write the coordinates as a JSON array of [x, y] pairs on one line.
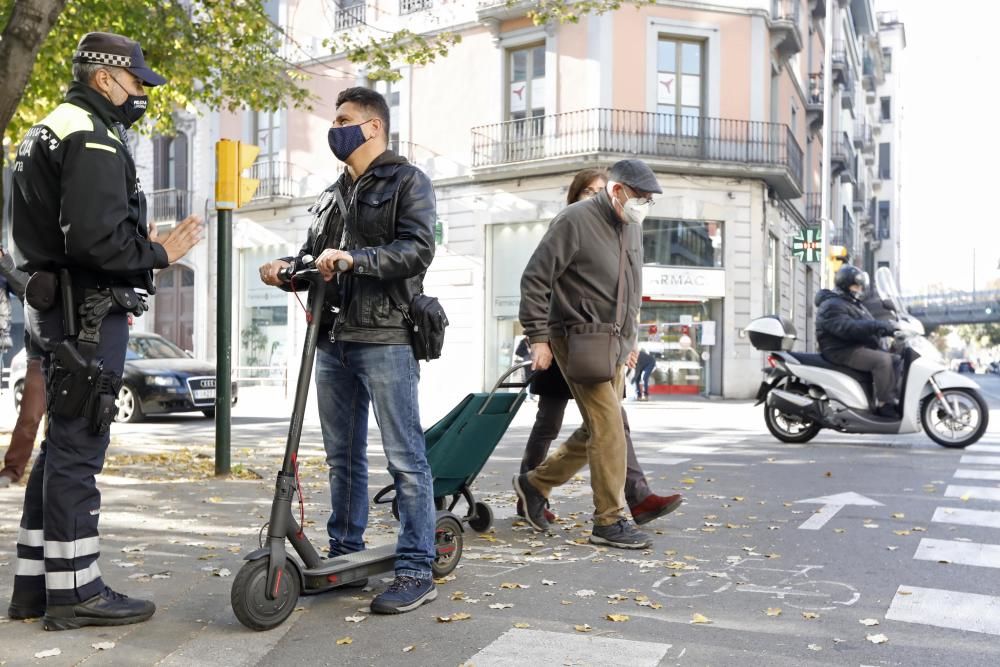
[[973, 418], [789, 428]]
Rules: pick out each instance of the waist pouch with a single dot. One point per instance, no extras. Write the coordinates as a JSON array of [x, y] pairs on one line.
[[427, 321], [593, 353]]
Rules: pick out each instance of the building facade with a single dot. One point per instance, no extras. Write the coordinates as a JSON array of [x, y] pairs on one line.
[[720, 98]]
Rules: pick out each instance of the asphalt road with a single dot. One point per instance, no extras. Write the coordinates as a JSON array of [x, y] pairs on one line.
[[849, 550]]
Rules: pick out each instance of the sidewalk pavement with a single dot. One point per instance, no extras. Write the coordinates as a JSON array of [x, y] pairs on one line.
[[173, 532]]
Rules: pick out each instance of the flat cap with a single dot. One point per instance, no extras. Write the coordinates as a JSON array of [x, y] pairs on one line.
[[107, 48], [635, 174]]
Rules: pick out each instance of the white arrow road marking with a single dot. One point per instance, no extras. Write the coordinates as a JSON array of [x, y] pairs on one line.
[[973, 492], [959, 553], [946, 609], [993, 475], [832, 505], [964, 517]]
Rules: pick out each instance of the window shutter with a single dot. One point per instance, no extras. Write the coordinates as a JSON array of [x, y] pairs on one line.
[[181, 161]]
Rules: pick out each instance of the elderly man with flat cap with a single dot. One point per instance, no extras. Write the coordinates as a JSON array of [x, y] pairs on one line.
[[587, 272], [79, 230]]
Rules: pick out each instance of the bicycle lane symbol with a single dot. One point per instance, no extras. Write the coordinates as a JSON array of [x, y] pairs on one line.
[[796, 588]]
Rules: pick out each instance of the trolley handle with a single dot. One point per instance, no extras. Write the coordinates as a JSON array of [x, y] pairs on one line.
[[501, 384]]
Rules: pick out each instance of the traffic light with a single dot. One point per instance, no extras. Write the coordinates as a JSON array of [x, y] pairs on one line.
[[838, 255], [232, 190]]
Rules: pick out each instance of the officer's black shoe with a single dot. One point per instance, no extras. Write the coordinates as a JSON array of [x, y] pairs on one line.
[[25, 608], [107, 608]]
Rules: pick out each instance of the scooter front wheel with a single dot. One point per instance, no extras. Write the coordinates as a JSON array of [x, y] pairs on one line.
[[249, 597], [971, 417]]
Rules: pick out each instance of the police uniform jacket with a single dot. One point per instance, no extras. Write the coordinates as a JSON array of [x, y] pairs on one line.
[[77, 202]]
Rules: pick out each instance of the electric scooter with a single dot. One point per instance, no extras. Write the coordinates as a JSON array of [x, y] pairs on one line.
[[267, 587], [804, 393]]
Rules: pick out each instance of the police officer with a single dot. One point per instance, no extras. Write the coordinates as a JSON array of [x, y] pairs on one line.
[[79, 229]]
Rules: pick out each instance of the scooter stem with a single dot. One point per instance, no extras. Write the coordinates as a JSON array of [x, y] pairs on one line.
[[316, 300]]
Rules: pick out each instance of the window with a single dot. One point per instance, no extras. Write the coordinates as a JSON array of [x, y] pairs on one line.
[[390, 91], [680, 85], [887, 59], [772, 278], [266, 134], [170, 158], [884, 165], [886, 103], [883, 220], [526, 82], [682, 243]]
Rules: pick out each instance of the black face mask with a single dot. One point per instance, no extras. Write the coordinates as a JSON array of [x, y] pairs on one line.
[[132, 109]]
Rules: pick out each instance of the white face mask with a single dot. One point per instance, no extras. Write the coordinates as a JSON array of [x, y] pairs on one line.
[[634, 210]]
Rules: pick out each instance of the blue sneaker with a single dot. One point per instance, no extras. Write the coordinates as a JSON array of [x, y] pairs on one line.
[[404, 594]]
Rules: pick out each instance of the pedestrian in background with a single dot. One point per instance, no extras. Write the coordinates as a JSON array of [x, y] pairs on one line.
[[554, 395], [79, 229], [588, 269], [32, 409], [644, 366]]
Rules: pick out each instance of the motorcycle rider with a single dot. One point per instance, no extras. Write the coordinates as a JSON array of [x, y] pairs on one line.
[[848, 335]]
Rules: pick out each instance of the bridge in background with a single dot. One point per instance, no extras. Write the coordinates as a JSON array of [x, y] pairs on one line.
[[953, 308]]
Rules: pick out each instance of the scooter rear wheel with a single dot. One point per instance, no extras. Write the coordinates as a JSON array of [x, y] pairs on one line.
[[447, 543], [788, 428], [249, 599]]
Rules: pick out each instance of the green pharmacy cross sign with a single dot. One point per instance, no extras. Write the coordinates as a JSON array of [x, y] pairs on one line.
[[807, 245]]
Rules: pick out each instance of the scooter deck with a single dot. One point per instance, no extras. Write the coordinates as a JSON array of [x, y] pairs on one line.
[[349, 568]]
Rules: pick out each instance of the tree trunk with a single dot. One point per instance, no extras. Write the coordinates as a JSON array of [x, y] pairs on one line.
[[22, 38], [29, 24]]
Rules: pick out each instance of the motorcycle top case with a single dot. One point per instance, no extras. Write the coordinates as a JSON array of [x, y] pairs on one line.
[[771, 333]]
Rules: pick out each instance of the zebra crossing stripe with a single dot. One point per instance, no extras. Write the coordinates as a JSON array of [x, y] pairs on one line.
[[958, 553], [993, 475], [980, 460], [972, 492], [946, 609], [989, 449], [964, 517], [539, 647]]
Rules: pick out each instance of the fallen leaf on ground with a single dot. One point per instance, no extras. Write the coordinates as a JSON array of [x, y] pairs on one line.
[[773, 611], [617, 618], [965, 497], [214, 499], [521, 626], [892, 548], [905, 593], [103, 646], [698, 618], [457, 616], [839, 530], [585, 593], [815, 647], [444, 580], [902, 532], [582, 628], [500, 605], [868, 621], [51, 653], [509, 585], [565, 602], [345, 640], [407, 649], [877, 639], [810, 615], [687, 480], [354, 619], [222, 572], [898, 515], [548, 582]]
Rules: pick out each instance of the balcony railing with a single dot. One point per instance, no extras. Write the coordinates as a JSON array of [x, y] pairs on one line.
[[349, 17], [864, 137], [413, 6], [168, 205], [662, 136], [275, 178], [785, 26], [814, 209], [785, 10]]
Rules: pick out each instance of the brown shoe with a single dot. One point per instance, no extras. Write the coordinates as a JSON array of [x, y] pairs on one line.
[[654, 506]]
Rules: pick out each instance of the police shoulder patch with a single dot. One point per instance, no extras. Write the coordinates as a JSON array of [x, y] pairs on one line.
[[67, 119]]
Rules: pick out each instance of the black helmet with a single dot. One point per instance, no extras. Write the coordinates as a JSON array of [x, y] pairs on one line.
[[851, 275]]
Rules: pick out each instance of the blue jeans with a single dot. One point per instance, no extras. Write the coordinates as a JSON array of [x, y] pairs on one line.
[[349, 376]]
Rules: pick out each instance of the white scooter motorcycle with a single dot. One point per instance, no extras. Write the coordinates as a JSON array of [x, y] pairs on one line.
[[804, 393]]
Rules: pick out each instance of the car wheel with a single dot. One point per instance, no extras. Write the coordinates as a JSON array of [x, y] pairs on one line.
[[18, 395], [129, 410]]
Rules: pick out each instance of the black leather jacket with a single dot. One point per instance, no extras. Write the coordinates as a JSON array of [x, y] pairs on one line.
[[390, 235], [843, 324]]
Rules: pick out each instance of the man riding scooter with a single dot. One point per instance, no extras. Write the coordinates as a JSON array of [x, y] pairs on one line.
[[849, 336]]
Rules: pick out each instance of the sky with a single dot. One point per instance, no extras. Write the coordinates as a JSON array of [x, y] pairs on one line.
[[950, 144]]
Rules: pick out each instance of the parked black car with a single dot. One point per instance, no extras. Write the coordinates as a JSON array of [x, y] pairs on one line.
[[161, 378], [966, 367]]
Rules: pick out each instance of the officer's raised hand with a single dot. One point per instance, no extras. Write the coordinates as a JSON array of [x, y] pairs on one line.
[[183, 237]]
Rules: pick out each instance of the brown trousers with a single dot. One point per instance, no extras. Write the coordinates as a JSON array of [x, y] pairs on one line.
[[599, 442], [22, 439]]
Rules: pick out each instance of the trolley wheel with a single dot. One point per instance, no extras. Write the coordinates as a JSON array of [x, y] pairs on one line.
[[482, 517], [447, 543], [441, 503], [249, 600]]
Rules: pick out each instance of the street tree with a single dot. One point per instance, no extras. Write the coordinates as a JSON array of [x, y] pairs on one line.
[[983, 335]]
